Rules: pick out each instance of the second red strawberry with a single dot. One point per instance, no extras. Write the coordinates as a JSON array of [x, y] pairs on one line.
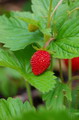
[[75, 64]]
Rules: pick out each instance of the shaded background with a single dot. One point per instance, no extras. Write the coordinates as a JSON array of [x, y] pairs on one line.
[[12, 4]]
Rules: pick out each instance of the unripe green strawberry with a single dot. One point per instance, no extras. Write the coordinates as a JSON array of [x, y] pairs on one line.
[[75, 64], [40, 61], [32, 28]]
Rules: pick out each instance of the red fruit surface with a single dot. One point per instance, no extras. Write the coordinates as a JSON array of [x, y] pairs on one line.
[[40, 61], [75, 64]]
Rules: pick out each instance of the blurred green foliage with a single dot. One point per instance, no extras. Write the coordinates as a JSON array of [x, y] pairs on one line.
[[14, 109], [46, 115], [10, 82]]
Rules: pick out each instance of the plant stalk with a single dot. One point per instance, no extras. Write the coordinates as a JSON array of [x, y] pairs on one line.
[[29, 93], [77, 100], [70, 72], [24, 74], [70, 12], [61, 72], [49, 14], [51, 67], [70, 76]]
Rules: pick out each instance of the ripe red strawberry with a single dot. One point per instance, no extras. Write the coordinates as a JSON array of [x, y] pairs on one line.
[[75, 64], [40, 61]]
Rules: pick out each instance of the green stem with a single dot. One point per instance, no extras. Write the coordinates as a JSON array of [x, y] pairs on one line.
[[29, 93], [61, 72], [70, 76], [77, 100], [51, 67], [24, 74], [59, 3], [70, 12], [69, 72], [49, 14]]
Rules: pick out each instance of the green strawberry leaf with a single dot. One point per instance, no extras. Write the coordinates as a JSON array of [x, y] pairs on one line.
[[8, 59], [44, 82], [66, 44], [55, 98], [13, 108], [18, 60], [24, 57], [41, 7], [60, 16], [32, 19], [26, 16], [15, 35]]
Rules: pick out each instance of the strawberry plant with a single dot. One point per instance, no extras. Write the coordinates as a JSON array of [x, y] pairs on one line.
[[30, 42]]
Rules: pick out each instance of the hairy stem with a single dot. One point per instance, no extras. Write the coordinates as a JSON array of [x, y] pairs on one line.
[[29, 93], [48, 42], [70, 12], [61, 72], [59, 3], [49, 14]]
